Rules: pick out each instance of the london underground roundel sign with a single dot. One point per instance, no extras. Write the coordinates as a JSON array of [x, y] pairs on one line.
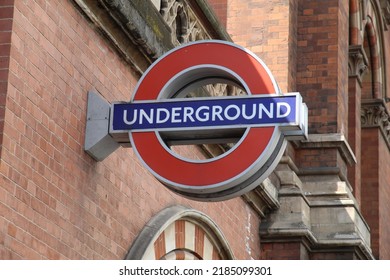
[[161, 112]]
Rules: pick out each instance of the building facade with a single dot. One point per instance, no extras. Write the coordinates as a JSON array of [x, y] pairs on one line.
[[328, 197]]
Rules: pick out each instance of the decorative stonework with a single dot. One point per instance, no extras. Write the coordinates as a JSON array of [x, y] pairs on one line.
[[224, 90], [157, 4], [185, 27], [141, 31], [385, 5], [357, 62], [196, 31], [375, 114], [175, 14], [318, 210]]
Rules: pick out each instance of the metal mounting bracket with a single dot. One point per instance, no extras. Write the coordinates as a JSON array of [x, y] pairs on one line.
[[98, 142]]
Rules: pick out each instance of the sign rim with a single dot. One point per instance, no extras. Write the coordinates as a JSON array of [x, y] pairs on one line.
[[266, 153]]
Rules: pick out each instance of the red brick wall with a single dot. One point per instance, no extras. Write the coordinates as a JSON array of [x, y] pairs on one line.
[[375, 190], [6, 12], [266, 28], [322, 73], [56, 201], [220, 9], [370, 184], [283, 251], [384, 198], [322, 76]]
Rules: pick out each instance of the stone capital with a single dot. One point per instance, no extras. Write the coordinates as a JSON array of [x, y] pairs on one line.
[[375, 114], [385, 5], [357, 62]]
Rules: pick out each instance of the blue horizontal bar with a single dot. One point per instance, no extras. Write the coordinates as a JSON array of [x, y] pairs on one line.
[[195, 113]]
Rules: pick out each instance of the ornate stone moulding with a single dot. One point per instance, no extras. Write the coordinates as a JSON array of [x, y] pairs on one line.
[[141, 31], [374, 113], [357, 62], [385, 5]]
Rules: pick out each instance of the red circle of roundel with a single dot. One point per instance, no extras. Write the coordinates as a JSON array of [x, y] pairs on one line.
[[203, 175]]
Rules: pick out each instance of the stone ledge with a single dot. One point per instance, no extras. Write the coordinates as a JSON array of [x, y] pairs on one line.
[[327, 141], [143, 24], [317, 210], [263, 199], [339, 243], [136, 29]]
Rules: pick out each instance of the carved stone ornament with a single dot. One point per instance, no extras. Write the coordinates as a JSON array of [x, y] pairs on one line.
[[385, 5], [157, 4], [357, 62], [185, 27], [375, 114]]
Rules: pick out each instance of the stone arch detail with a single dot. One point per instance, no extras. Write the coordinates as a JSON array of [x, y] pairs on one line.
[[175, 14], [178, 233], [375, 61], [184, 24], [366, 27], [355, 19]]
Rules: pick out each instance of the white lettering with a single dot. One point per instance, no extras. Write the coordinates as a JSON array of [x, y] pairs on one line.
[[187, 114], [282, 113], [127, 121], [207, 113], [143, 115], [244, 112], [175, 115], [269, 113], [216, 113], [160, 112], [205, 116], [234, 117]]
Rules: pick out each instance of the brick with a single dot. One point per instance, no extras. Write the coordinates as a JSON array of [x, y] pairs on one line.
[[68, 203], [60, 204]]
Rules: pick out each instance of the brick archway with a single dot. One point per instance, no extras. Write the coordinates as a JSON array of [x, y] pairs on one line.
[[179, 233]]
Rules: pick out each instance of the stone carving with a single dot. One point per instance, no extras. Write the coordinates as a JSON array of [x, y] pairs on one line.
[[357, 62], [376, 115], [157, 4], [196, 30], [185, 27], [385, 4], [224, 90], [175, 15]]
